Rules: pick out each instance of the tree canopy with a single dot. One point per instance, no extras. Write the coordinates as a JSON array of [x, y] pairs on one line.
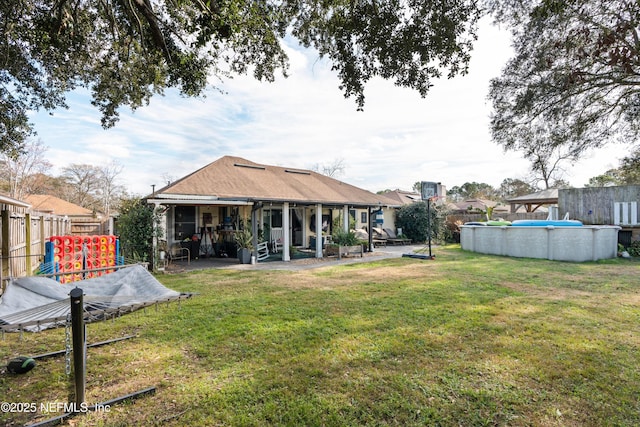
[[574, 79], [514, 187], [125, 52], [92, 187], [472, 190], [628, 173]]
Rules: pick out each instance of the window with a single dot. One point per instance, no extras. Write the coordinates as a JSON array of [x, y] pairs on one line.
[[363, 217], [185, 222], [272, 218], [276, 218]]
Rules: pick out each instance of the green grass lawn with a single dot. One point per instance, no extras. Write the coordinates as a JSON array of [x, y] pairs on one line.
[[463, 340]]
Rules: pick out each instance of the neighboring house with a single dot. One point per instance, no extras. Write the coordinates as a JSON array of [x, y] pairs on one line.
[[403, 197], [472, 206], [83, 221], [289, 206], [409, 197], [605, 206]]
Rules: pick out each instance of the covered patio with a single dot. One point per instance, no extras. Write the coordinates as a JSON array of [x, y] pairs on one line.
[[283, 207]]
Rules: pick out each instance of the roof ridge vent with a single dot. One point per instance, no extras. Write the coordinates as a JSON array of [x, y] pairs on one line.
[[244, 165], [301, 172]]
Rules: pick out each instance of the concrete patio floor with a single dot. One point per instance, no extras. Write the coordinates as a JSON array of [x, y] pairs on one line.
[[296, 264]]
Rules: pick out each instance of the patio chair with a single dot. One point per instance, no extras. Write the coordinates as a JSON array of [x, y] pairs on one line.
[[276, 239], [263, 251], [379, 237], [178, 252], [395, 240]]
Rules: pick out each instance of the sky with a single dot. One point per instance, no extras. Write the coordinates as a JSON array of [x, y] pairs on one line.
[[304, 120]]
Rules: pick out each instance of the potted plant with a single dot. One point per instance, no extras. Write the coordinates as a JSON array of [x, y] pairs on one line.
[[345, 243], [244, 242]]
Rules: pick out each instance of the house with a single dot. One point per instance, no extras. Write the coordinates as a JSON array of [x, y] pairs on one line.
[[285, 206], [83, 221], [403, 197]]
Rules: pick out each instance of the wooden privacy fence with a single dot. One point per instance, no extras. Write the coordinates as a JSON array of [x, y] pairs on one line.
[[602, 205], [22, 241]]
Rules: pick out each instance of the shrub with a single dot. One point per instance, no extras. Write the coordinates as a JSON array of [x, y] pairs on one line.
[[137, 225], [414, 222], [634, 248]]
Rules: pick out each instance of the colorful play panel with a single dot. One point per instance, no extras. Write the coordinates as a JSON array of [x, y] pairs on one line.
[[82, 257]]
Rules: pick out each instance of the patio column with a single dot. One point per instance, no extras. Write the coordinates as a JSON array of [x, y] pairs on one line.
[[370, 229], [345, 218], [286, 256], [305, 226], [319, 230], [155, 257], [255, 216]]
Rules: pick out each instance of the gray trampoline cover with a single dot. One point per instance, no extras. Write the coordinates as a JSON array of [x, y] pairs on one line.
[[29, 299]]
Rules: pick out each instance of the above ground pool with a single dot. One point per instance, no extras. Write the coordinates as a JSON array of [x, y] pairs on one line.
[[561, 240], [546, 222]]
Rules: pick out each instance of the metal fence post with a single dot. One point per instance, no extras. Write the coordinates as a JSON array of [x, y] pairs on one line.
[[79, 356]]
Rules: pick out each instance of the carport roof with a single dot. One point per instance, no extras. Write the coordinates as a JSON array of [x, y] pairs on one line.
[[236, 179]]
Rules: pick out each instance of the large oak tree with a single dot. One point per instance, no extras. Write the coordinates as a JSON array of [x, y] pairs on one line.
[[125, 51], [574, 80]]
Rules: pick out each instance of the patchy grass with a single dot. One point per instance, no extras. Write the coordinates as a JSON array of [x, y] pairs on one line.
[[465, 339]]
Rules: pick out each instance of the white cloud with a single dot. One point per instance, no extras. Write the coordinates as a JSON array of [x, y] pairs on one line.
[[304, 120]]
